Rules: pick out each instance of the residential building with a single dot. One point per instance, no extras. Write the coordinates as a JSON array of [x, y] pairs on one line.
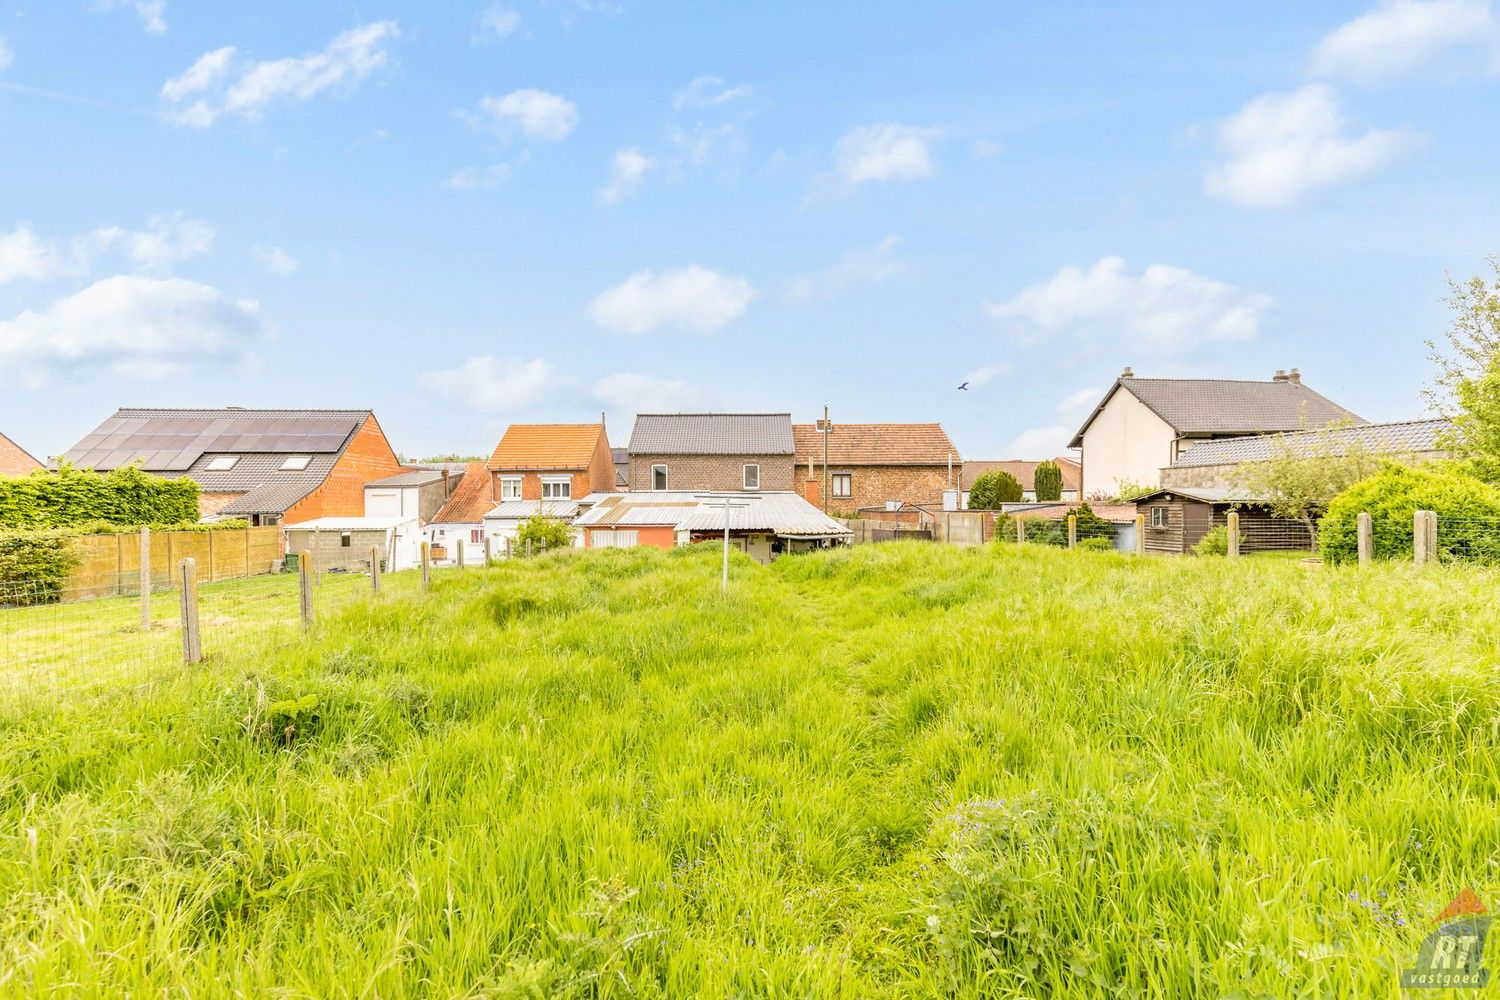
[[1212, 463], [680, 452], [621, 457], [551, 462], [1025, 473], [419, 493], [871, 465], [1176, 520], [350, 543], [762, 524], [1145, 424], [462, 518], [504, 519], [268, 466], [15, 460]]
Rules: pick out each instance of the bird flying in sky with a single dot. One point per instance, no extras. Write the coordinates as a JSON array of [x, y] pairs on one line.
[[964, 385]]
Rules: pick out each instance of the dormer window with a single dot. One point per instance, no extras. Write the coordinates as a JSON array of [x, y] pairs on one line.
[[221, 463], [295, 463]]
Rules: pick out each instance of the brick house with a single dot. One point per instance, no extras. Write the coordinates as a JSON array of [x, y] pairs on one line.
[[551, 462], [462, 517], [267, 466], [711, 451], [15, 460], [872, 464]]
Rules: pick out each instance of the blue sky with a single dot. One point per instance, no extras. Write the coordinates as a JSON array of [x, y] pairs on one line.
[[467, 214]]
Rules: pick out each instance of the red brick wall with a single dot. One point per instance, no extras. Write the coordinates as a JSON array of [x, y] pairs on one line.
[[14, 461], [369, 456], [531, 483], [873, 485], [601, 476], [712, 472]]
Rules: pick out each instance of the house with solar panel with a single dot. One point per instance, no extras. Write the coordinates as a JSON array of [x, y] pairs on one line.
[[266, 466]]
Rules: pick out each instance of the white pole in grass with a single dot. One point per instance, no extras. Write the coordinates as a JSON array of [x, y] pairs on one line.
[[729, 502], [145, 569], [1365, 539], [375, 568], [1232, 526]]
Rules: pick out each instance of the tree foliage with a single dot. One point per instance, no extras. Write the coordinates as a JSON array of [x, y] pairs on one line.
[[1467, 384], [72, 497], [992, 489], [1048, 481], [1393, 495], [34, 565], [1304, 473], [544, 533]]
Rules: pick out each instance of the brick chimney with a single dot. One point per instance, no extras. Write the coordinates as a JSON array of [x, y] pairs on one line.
[[1127, 373], [1280, 376], [1294, 376]]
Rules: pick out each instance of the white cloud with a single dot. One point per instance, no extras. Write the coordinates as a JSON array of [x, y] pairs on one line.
[[886, 152], [5, 54], [494, 385], [1039, 442], [167, 239], [25, 257], [276, 260], [495, 23], [1075, 402], [709, 92], [132, 326], [630, 393], [861, 266], [536, 114], [983, 149], [151, 12], [477, 178], [628, 169], [693, 298], [1166, 308], [1280, 146], [214, 86], [1400, 36]]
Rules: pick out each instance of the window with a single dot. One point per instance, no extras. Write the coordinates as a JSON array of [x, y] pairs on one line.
[[295, 463], [1160, 517], [752, 477], [344, 539], [843, 485], [476, 535], [510, 487], [557, 488], [614, 539], [221, 463], [658, 477]]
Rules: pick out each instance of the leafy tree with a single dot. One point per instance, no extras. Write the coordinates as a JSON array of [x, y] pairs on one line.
[[1048, 481], [1304, 473], [1467, 384], [544, 533], [1129, 491], [992, 489], [1397, 492]]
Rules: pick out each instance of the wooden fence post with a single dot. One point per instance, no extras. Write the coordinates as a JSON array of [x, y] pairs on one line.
[[1020, 531], [488, 552], [304, 566], [1419, 550], [145, 577], [375, 568], [459, 548], [1365, 539], [426, 566], [192, 640], [1072, 531], [1140, 534], [1232, 526]]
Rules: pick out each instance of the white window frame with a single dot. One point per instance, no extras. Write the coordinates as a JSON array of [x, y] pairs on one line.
[[615, 538], [476, 536], [295, 463], [665, 481], [510, 487], [746, 476], [1164, 522], [221, 463], [565, 482], [833, 485]]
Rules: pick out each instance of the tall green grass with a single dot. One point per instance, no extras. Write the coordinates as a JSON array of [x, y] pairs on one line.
[[899, 770]]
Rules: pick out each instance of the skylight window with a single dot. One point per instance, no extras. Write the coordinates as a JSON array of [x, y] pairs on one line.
[[295, 463], [221, 463]]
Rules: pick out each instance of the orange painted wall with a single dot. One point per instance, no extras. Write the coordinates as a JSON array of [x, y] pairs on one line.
[[369, 456], [657, 536]]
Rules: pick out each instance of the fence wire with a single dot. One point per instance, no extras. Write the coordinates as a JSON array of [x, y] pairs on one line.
[[1468, 539]]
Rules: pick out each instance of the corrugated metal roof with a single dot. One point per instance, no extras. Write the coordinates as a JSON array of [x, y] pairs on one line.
[[416, 477], [1227, 406], [1397, 438], [876, 444], [473, 498], [777, 512], [532, 447], [521, 509], [1207, 494], [174, 440], [712, 434]]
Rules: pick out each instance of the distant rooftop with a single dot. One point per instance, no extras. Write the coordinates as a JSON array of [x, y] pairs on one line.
[[712, 434], [1398, 438]]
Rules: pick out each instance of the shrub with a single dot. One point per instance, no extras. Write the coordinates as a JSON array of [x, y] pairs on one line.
[[543, 533], [1393, 495], [1045, 531], [1214, 543], [992, 489], [34, 566], [1129, 491], [1048, 481], [69, 496], [1096, 544]]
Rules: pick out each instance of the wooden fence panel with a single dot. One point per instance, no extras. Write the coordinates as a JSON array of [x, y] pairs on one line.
[[109, 565]]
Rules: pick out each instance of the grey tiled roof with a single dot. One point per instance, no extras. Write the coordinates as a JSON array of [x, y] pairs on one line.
[[1228, 406], [712, 434], [174, 440], [251, 471], [275, 496], [1400, 438]]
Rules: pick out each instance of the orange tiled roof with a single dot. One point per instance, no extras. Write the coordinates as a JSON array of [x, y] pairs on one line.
[[1025, 472], [876, 444], [563, 447], [473, 499]]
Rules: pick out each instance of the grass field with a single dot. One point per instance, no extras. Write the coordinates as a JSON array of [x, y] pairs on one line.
[[898, 770]]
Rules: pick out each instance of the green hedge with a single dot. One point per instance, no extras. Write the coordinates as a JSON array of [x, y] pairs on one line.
[[1468, 515], [34, 566], [72, 497]]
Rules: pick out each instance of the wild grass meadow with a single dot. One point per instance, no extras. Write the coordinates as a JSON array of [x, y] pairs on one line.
[[894, 771]]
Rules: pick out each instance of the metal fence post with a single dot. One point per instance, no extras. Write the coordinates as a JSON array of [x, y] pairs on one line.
[[1365, 539], [1140, 534], [459, 546], [426, 565], [192, 640], [1072, 531], [1419, 551], [304, 566], [145, 576], [375, 568], [1232, 526]]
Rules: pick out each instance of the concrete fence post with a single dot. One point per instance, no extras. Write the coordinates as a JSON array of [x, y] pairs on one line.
[[459, 548], [305, 571], [1232, 526], [426, 566], [1072, 531], [1365, 539], [1140, 534], [375, 568], [145, 577], [192, 640], [507, 547], [1421, 553], [1020, 532], [489, 552], [528, 548], [1432, 536]]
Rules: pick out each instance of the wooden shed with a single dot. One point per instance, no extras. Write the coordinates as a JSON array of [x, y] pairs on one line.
[[1177, 519]]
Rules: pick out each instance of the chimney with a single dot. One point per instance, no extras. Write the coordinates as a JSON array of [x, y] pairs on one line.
[[1280, 376], [1127, 373], [1294, 377]]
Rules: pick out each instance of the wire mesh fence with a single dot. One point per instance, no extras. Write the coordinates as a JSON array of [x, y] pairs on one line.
[[1468, 539]]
